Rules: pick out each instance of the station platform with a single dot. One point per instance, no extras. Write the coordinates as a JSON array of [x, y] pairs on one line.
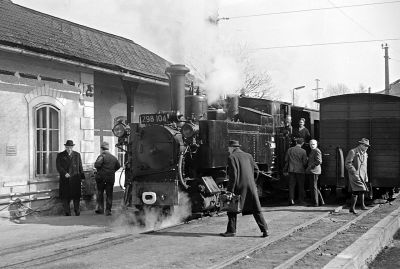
[[300, 237]]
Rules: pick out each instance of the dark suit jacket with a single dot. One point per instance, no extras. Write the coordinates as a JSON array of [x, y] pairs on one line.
[[295, 160], [106, 165], [70, 188], [242, 171], [314, 162]]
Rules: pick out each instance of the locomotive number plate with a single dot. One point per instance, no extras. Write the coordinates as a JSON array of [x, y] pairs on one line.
[[155, 118]]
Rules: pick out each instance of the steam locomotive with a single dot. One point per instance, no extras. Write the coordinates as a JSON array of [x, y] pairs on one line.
[[171, 154]]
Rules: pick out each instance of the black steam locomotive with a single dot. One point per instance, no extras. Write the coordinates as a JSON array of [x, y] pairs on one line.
[[170, 153]]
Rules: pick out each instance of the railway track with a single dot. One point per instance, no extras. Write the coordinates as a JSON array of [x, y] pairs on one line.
[[35, 252], [311, 240], [51, 250]]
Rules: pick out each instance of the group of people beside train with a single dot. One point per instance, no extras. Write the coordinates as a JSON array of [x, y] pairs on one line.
[[303, 160], [69, 166]]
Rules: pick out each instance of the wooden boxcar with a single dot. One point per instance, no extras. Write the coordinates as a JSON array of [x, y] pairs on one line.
[[344, 120]]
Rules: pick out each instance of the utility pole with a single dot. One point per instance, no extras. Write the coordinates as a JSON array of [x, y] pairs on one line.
[[387, 86], [317, 89]]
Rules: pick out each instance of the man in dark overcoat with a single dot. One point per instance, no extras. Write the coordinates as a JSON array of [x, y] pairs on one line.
[[242, 172], [106, 165], [69, 166], [356, 164]]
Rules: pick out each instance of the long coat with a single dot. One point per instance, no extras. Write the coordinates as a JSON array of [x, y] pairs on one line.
[[314, 162], [242, 172], [356, 164], [70, 188]]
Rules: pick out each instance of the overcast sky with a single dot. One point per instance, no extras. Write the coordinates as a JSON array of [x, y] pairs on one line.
[[176, 30]]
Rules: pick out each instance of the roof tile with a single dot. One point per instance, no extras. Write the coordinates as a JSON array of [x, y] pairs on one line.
[[34, 30]]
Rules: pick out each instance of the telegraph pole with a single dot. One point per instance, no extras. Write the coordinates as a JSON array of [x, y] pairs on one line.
[[317, 89], [387, 86]]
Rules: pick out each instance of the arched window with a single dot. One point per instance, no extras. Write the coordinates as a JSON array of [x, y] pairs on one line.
[[47, 122]]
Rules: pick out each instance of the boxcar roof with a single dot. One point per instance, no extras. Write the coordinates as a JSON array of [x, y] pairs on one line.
[[376, 97]]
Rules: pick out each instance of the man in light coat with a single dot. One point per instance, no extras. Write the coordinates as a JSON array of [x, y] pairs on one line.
[[242, 172], [356, 164], [314, 170], [295, 163]]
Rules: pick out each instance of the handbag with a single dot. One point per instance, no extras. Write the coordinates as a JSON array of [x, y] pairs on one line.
[[230, 202]]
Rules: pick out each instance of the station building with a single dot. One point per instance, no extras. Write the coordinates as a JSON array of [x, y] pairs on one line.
[[60, 80]]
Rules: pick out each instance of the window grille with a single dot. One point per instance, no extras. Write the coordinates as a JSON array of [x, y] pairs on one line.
[[47, 122]]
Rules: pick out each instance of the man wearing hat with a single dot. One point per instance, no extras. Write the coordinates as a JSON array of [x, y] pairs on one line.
[[356, 164], [106, 165], [242, 172], [69, 166]]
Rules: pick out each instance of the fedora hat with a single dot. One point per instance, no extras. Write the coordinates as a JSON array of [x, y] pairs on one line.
[[364, 141], [234, 143], [105, 145], [69, 143]]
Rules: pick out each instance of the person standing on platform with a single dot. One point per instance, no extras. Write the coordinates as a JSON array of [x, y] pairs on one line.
[[356, 164], [314, 170], [69, 166], [295, 162], [106, 165], [242, 172]]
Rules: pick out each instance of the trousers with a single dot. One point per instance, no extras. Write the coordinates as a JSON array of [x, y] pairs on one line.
[[232, 220], [67, 208], [316, 194], [296, 178], [107, 186]]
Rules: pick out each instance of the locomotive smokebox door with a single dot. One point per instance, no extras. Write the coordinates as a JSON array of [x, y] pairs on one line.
[[156, 149]]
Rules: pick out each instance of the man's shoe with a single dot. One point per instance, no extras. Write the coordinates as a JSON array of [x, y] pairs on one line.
[[67, 214], [265, 234], [108, 213], [227, 234], [97, 211], [77, 213], [291, 202], [353, 211]]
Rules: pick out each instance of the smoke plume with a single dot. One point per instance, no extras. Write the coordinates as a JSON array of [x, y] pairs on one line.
[[188, 32], [151, 218]]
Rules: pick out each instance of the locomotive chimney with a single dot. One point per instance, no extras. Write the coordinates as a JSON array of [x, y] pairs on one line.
[[176, 74], [232, 106]]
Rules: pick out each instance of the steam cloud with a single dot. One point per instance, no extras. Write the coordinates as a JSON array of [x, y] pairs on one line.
[[187, 32], [152, 218]]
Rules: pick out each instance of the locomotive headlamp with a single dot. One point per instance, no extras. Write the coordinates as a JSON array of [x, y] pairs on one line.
[[121, 130], [189, 130]]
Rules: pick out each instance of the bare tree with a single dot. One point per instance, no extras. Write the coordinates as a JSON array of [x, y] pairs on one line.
[[257, 82], [337, 89], [362, 88]]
